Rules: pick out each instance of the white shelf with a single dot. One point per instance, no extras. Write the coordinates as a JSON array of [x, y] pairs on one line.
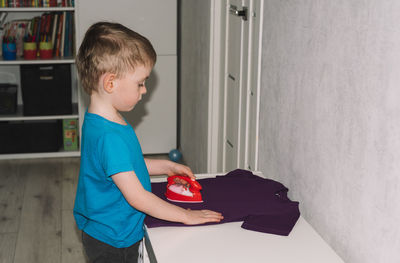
[[19, 116], [40, 155], [11, 66], [21, 61], [36, 9]]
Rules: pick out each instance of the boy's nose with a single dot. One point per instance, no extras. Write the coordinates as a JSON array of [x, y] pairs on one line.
[[144, 90]]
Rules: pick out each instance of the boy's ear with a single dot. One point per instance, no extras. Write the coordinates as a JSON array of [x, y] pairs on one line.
[[109, 82]]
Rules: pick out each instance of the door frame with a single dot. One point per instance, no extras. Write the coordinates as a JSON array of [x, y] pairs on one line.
[[217, 85]]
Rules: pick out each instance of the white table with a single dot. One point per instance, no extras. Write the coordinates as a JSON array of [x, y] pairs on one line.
[[230, 243]]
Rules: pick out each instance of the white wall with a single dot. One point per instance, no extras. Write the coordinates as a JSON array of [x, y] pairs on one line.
[[194, 78], [330, 119]]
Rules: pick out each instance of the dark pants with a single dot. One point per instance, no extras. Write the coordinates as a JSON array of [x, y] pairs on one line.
[[99, 252]]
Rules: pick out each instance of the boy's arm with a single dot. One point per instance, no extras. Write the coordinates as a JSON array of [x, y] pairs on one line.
[[150, 204], [157, 167]]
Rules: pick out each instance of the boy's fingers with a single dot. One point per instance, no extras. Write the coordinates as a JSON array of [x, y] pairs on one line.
[[211, 214], [204, 216], [213, 219], [183, 170], [190, 174]]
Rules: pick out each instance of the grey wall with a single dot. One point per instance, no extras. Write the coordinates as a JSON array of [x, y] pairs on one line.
[[195, 45], [330, 119]]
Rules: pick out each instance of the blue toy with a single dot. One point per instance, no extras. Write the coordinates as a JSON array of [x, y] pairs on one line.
[[175, 155]]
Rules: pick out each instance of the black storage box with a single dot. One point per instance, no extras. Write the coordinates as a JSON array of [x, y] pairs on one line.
[[31, 136], [46, 89], [8, 98]]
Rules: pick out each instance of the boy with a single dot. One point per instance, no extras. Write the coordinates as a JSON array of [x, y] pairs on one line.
[[114, 191]]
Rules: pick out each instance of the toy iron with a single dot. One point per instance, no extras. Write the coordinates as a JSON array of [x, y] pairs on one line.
[[183, 189]]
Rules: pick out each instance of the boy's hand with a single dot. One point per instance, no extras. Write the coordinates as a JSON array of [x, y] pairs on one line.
[[196, 217], [180, 169], [156, 167]]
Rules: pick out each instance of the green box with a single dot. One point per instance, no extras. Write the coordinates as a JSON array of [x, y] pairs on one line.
[[70, 134]]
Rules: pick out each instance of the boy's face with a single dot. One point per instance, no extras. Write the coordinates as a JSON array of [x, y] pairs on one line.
[[130, 88]]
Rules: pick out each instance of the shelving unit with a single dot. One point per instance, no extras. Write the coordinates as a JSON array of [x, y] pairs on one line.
[[13, 67], [19, 116], [36, 9], [21, 61]]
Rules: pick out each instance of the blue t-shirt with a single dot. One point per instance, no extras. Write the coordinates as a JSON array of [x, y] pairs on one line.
[[100, 208]]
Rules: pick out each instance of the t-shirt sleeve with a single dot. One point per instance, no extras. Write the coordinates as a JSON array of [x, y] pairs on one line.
[[114, 155], [278, 223]]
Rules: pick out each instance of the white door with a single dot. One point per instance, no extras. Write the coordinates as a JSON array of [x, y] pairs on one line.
[[242, 62], [253, 85], [236, 75]]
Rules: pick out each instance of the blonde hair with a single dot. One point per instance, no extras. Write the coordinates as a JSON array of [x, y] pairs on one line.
[[111, 48]]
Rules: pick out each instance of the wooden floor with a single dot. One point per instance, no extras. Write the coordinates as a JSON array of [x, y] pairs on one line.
[[36, 202], [36, 220]]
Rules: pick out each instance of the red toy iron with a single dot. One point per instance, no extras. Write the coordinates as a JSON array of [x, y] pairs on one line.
[[183, 189]]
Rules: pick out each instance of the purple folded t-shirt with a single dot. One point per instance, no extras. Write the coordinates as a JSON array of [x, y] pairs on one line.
[[261, 203]]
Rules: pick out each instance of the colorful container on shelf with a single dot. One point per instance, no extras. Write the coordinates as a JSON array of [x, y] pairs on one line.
[[45, 50], [30, 50], [9, 51], [70, 134]]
